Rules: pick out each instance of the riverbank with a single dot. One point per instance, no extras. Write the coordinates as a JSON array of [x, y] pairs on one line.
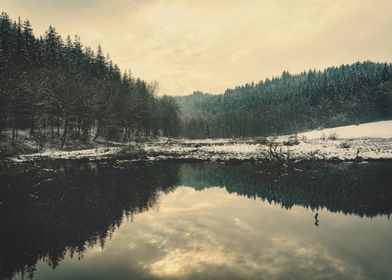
[[226, 150], [371, 141]]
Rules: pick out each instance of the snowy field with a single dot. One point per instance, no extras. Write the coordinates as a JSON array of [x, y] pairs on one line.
[[365, 141], [382, 129]]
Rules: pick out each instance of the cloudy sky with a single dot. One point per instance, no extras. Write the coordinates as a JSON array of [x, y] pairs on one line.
[[210, 45]]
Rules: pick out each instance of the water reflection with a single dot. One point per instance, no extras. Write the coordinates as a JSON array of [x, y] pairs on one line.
[[60, 212], [316, 222], [361, 189]]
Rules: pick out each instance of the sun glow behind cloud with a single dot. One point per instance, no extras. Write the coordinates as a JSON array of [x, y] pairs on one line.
[[212, 45]]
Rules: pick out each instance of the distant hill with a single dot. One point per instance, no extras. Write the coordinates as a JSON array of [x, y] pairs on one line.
[[348, 94]]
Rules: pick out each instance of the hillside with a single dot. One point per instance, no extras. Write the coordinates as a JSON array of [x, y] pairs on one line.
[[336, 96], [63, 92]]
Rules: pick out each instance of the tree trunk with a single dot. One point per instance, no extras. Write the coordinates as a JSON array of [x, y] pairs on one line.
[[52, 130], [58, 127], [13, 132], [32, 126], [99, 130], [64, 137]]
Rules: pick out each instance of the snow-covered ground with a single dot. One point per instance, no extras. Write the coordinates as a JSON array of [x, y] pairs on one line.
[[382, 129], [367, 141], [96, 153]]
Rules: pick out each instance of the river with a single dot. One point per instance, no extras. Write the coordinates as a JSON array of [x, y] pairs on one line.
[[124, 220]]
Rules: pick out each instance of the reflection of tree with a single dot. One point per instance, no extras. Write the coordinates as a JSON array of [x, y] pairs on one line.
[[79, 208], [362, 189], [64, 207]]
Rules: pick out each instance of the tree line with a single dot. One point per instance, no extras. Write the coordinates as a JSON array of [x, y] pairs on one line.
[[360, 92], [60, 91]]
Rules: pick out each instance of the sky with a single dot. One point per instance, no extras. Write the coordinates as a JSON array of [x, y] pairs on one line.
[[211, 45]]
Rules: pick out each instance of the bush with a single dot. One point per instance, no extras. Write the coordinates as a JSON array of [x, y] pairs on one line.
[[277, 158], [332, 135], [344, 145], [132, 152], [261, 140], [291, 141]]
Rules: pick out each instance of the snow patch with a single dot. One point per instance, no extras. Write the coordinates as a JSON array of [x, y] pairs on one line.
[[382, 129]]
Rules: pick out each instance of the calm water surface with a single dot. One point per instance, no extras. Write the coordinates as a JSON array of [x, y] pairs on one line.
[[78, 220]]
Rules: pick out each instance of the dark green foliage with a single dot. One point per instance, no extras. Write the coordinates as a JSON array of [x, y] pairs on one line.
[[169, 120], [65, 91], [343, 95]]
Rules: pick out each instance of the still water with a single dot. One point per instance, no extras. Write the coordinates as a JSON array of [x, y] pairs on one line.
[[118, 220]]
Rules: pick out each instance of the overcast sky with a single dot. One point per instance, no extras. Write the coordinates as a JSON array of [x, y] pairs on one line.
[[211, 45]]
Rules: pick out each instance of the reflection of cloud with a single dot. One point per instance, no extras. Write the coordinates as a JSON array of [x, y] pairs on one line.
[[182, 262], [277, 258], [228, 241], [197, 206], [226, 236], [211, 45]]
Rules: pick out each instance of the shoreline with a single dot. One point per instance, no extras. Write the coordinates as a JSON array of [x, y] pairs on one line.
[[225, 150]]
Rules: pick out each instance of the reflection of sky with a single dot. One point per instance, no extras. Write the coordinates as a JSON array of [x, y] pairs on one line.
[[212, 234]]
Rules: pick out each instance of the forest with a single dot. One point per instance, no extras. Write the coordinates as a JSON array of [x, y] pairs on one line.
[[59, 90], [290, 103]]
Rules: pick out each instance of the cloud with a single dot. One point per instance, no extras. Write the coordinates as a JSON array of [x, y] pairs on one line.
[[212, 45]]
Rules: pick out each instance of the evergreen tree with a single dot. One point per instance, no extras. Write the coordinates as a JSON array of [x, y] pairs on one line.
[[64, 91]]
